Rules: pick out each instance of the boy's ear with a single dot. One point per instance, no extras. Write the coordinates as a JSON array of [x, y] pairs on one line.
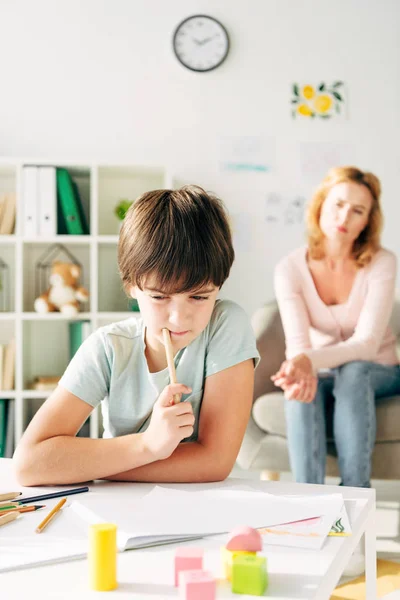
[[132, 291]]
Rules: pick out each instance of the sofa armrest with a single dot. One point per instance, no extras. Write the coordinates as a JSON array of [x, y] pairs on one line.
[[267, 327]]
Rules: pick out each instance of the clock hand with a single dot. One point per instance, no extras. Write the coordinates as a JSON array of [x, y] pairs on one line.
[[206, 40]]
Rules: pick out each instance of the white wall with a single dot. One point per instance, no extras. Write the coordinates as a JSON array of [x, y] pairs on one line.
[[97, 79]]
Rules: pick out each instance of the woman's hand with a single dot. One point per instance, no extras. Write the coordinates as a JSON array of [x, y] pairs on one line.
[[296, 379]]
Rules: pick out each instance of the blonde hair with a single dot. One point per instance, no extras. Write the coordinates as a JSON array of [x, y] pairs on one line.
[[368, 242]]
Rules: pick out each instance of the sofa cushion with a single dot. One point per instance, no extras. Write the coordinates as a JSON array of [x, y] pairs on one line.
[[269, 414]]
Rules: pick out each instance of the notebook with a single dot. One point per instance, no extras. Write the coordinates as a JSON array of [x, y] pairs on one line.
[[162, 516]]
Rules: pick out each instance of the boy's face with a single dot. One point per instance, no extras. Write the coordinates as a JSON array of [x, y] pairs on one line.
[[184, 315]]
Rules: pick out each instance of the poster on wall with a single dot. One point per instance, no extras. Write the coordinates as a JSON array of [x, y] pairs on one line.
[[323, 100], [284, 209], [314, 159], [247, 153]]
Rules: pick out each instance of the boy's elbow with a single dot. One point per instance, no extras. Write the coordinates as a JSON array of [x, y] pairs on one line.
[[23, 469]]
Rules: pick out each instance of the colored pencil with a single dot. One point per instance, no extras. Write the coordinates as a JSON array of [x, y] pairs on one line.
[[50, 516], [10, 496], [170, 361], [54, 495], [8, 505], [7, 502], [8, 517], [23, 509]]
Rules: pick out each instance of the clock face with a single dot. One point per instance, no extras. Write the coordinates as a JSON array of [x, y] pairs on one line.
[[201, 43]]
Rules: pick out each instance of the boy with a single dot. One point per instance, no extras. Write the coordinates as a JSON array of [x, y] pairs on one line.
[[175, 252]]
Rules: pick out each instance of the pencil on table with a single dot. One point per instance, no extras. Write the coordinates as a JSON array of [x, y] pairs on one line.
[[8, 517], [22, 509], [50, 516], [10, 496], [5, 505], [170, 361]]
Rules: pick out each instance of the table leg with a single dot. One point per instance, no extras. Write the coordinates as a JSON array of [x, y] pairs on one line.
[[370, 558]]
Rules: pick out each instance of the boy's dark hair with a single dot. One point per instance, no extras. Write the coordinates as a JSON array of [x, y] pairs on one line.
[[181, 237]]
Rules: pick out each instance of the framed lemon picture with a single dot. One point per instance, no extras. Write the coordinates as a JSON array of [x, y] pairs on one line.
[[320, 101]]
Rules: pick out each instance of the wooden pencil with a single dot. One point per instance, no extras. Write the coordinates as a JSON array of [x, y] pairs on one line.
[[8, 518], [23, 509], [10, 496], [6, 505], [170, 361], [8, 502], [50, 516]]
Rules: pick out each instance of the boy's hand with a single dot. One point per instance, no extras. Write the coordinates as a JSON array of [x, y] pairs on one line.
[[170, 423]]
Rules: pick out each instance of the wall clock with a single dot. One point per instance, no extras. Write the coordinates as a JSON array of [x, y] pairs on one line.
[[201, 43]]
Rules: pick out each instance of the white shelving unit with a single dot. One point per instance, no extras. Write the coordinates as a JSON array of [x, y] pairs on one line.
[[42, 344]]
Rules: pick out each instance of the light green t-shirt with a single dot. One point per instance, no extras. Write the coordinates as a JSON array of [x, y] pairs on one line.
[[110, 367]]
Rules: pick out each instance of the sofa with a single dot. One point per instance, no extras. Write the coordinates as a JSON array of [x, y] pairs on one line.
[[264, 446]]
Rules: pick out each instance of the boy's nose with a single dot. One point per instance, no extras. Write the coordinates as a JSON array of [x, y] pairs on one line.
[[179, 320]]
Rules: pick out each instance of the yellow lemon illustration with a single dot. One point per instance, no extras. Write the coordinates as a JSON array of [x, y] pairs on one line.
[[323, 103], [305, 110], [308, 92]]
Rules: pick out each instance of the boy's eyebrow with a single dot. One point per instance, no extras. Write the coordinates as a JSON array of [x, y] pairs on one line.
[[201, 291]]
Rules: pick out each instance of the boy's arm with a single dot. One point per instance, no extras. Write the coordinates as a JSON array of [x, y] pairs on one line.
[[49, 453], [224, 414]]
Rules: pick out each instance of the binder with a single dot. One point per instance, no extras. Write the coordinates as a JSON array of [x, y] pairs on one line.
[[7, 216], [9, 366], [30, 200], [10, 441], [47, 201], [78, 332], [3, 426], [71, 218]]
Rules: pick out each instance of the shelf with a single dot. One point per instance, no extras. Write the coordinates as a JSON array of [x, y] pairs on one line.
[[107, 239], [57, 239], [43, 340], [4, 394], [55, 316], [7, 316], [7, 239], [33, 252], [29, 394]]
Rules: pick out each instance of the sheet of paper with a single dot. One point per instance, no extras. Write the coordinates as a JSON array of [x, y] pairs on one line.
[[205, 512], [65, 538], [310, 533]]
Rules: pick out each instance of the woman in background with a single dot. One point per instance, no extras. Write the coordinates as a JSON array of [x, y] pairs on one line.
[[335, 297]]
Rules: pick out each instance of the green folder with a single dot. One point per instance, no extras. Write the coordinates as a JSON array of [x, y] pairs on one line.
[[3, 426], [75, 337], [70, 215]]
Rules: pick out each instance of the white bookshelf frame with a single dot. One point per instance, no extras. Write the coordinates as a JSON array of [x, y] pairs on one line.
[[101, 202]]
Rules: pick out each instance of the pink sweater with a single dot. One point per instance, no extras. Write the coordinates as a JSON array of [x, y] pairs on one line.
[[337, 334]]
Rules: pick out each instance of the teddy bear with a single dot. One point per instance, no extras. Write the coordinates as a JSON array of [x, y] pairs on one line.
[[64, 293]]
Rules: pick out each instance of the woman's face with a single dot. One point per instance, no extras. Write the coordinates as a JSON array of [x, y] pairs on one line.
[[345, 211]]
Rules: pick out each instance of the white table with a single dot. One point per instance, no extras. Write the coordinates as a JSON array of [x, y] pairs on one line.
[[148, 573]]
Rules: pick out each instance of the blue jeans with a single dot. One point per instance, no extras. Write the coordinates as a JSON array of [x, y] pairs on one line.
[[345, 402]]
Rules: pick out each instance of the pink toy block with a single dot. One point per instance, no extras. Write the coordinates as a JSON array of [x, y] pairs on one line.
[[187, 559], [196, 585], [245, 539]]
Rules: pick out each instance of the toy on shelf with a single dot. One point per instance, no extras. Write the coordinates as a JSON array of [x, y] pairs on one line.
[[64, 294]]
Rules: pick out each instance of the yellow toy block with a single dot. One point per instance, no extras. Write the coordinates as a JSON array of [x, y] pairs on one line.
[[227, 558]]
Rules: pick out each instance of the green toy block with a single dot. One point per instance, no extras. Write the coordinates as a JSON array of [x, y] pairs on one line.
[[249, 574]]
